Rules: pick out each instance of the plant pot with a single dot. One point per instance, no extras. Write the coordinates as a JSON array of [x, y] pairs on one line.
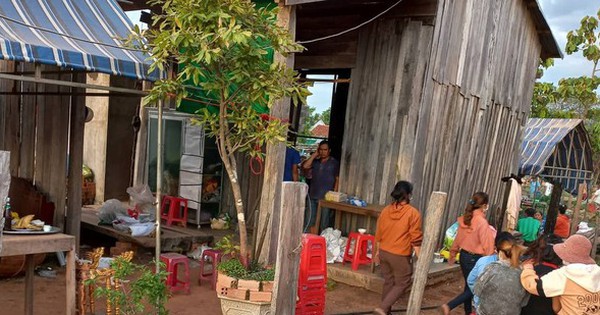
[[231, 306]]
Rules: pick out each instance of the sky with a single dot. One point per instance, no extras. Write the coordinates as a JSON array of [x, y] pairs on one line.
[[562, 16]]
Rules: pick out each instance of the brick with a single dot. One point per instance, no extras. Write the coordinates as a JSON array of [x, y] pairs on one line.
[[267, 286], [260, 296], [226, 281], [240, 294], [115, 251], [251, 285]]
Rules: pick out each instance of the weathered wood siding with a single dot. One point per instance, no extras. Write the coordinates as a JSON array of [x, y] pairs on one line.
[[459, 129], [383, 101], [36, 132]]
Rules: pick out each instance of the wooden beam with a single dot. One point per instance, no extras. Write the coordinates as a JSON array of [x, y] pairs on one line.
[[432, 225], [74, 179], [293, 197], [576, 218], [275, 156], [553, 207]]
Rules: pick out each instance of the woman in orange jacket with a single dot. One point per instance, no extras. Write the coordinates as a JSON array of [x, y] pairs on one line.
[[398, 234], [474, 239]]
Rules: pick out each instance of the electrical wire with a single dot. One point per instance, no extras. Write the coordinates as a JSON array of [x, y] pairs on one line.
[[352, 28]]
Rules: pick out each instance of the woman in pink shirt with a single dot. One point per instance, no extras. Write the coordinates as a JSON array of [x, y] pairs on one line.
[[474, 239]]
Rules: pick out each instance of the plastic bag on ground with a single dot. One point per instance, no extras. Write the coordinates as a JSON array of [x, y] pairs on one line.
[[110, 210], [141, 229], [336, 244]]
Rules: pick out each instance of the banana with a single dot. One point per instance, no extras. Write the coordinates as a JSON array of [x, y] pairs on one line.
[[24, 221]]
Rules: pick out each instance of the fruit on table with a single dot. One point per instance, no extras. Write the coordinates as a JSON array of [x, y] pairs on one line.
[[24, 222]]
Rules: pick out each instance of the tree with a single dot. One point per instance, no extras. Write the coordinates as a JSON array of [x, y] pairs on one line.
[[223, 48], [575, 97]]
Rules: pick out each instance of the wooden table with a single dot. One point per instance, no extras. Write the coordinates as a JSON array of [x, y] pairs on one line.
[[28, 245], [370, 211]]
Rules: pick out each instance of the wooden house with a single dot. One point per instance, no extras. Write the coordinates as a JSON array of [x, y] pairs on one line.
[[439, 92]]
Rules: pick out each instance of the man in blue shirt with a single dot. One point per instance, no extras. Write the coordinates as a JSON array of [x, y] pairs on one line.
[[325, 172], [290, 170]]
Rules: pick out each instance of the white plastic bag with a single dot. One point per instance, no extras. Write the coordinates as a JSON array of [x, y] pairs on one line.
[[142, 197]]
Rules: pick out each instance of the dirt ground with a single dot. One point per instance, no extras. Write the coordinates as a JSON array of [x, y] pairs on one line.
[[342, 299]]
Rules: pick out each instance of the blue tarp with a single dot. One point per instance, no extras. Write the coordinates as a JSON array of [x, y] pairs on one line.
[[566, 137], [78, 34]]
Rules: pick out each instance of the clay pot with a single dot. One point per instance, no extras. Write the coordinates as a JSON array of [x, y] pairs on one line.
[[12, 266]]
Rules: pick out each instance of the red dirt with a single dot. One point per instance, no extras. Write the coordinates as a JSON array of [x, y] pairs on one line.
[[50, 296]]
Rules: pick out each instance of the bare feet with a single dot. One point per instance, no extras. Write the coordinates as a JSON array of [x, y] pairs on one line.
[[378, 311], [444, 309]]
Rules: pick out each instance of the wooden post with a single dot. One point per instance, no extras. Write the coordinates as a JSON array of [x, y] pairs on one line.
[[74, 182], [501, 225], [275, 156], [431, 232], [576, 219], [596, 231], [553, 207], [290, 245]]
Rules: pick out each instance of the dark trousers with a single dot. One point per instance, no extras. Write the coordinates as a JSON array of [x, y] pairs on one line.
[[397, 272], [467, 262]]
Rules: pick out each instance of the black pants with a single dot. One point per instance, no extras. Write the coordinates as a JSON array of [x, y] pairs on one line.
[[467, 262]]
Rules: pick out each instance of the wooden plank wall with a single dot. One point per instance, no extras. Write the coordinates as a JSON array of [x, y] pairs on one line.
[[476, 101], [35, 129], [387, 82], [443, 106]]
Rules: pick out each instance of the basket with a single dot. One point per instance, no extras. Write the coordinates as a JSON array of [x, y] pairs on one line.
[[88, 192], [336, 196], [13, 266]]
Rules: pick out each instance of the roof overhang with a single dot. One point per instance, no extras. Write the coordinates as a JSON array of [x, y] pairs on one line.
[[71, 34], [550, 47]]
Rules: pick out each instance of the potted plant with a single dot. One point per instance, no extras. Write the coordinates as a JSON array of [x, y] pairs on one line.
[[130, 288], [243, 287]]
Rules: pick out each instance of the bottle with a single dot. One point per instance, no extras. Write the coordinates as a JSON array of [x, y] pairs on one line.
[[7, 215]]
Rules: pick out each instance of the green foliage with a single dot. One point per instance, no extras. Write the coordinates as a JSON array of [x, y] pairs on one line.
[[142, 290], [544, 64], [224, 48], [585, 39], [255, 271], [227, 246], [544, 93]]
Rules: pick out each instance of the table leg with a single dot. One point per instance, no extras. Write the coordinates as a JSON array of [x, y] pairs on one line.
[[338, 218], [71, 283], [318, 219], [29, 273]]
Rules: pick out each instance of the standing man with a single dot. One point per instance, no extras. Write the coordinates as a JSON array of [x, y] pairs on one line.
[[292, 159], [325, 177]]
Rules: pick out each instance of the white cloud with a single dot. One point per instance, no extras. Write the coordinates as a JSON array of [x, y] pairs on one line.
[[564, 16]]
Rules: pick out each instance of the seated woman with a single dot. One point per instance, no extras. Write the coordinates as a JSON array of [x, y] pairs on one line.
[[499, 286]]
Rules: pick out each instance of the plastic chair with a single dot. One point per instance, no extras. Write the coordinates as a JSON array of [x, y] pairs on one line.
[[172, 262], [359, 253], [173, 212]]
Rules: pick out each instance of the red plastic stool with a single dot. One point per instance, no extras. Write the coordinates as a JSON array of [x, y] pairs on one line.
[[172, 261], [173, 212], [215, 258], [359, 254]]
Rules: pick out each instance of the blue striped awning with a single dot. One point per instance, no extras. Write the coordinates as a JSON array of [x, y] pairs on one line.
[[557, 149], [77, 34]]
